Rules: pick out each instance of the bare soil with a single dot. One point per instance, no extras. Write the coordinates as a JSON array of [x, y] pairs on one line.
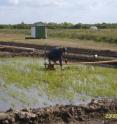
[[92, 113], [75, 50], [11, 49]]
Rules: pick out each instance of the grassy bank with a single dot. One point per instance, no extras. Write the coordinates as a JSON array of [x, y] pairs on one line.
[[104, 35], [101, 35], [64, 37]]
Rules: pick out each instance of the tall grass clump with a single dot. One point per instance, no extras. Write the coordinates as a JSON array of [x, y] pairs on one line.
[[102, 35]]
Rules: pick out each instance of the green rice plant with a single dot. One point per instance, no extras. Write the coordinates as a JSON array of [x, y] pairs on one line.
[[74, 79]]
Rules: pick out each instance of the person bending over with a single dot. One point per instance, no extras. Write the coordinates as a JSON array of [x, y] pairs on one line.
[[56, 54]]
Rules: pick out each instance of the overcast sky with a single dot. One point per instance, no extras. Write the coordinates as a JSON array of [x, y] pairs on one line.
[[75, 11]]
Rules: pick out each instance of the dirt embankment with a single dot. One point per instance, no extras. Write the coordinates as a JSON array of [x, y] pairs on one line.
[[11, 49], [73, 50], [96, 112]]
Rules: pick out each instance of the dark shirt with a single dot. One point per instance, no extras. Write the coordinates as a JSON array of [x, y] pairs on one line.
[[55, 54]]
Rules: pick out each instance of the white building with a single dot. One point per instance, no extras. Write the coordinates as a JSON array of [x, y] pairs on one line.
[[94, 28]]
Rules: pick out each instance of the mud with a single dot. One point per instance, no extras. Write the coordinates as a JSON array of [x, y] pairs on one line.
[[12, 49], [73, 50], [92, 113]]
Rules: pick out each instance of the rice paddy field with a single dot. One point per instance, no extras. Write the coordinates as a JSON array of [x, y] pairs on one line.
[[25, 83]]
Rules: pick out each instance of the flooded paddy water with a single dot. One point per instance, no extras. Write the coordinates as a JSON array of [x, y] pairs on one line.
[[25, 83]]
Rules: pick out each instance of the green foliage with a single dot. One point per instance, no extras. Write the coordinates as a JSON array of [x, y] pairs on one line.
[[69, 31], [65, 25], [76, 79], [102, 35], [15, 31], [16, 26]]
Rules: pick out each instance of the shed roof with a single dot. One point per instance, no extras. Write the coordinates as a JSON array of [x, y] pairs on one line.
[[38, 24]]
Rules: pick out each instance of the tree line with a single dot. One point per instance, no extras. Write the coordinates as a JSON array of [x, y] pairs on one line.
[[64, 25]]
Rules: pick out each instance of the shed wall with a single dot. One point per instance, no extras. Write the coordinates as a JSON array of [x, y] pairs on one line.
[[33, 32]]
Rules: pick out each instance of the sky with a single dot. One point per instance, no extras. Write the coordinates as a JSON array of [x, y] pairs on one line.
[[74, 11]]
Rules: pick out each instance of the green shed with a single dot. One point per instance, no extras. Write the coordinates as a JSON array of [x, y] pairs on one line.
[[39, 30]]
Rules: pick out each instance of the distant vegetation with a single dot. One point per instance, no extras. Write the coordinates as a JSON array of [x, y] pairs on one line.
[[101, 35], [64, 25], [106, 32], [16, 26]]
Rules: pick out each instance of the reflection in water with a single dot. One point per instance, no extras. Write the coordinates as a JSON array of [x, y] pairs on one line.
[[16, 97]]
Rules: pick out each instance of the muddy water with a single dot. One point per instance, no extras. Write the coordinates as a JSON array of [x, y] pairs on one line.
[[17, 98], [41, 92]]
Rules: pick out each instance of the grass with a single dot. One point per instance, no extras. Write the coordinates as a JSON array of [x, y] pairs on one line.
[[103, 35], [25, 83], [100, 39], [76, 79]]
